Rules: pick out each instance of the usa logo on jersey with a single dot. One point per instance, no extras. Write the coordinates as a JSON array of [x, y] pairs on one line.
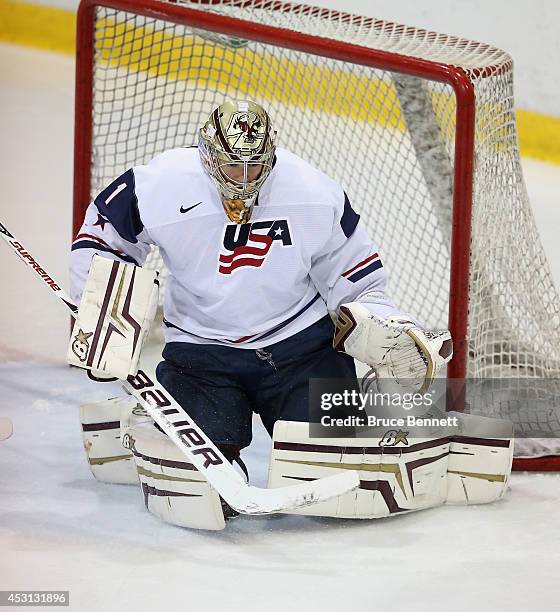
[[248, 245]]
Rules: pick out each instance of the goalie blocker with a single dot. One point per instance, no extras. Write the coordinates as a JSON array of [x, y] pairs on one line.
[[118, 306]]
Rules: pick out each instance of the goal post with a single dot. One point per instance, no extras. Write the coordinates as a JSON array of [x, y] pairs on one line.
[[418, 127]]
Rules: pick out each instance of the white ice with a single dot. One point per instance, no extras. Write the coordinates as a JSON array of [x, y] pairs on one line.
[[59, 529]]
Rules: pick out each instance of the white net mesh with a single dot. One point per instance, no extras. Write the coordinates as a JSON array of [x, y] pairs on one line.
[[387, 138]]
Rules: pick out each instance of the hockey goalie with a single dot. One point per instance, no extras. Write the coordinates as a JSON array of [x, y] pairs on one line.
[[272, 282]]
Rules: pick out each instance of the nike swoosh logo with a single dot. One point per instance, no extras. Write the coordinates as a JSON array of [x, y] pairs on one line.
[[184, 210]]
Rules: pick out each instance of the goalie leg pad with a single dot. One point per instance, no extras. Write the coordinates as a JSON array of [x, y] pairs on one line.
[[174, 490], [480, 460], [393, 479], [102, 428]]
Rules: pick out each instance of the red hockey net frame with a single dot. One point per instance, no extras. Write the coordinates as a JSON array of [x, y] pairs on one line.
[[455, 77]]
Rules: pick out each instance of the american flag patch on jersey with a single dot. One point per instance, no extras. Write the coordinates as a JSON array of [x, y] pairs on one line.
[[365, 267]]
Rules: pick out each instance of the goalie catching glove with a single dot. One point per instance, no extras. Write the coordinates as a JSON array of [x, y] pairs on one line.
[[118, 305], [396, 348]]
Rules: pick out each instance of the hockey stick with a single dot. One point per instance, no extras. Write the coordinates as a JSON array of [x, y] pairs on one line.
[[194, 443]]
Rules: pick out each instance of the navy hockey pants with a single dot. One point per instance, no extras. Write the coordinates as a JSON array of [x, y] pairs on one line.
[[220, 386]]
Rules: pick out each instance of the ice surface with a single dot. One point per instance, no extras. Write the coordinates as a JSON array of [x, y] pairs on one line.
[[59, 529]]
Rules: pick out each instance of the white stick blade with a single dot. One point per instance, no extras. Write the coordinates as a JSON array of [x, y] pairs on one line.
[[268, 501]]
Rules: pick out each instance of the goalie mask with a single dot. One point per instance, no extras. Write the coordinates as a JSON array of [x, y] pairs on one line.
[[236, 148]]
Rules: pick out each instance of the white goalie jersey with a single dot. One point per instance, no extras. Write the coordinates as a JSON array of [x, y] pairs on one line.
[[302, 254]]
